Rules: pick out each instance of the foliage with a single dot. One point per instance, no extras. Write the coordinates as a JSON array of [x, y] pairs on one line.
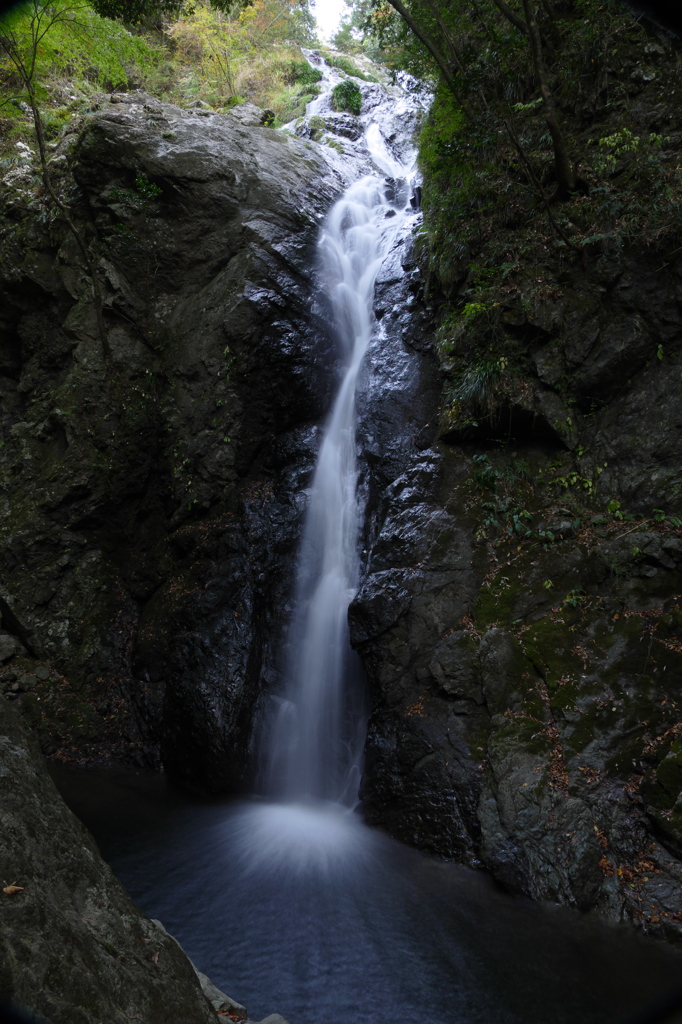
[[347, 96], [474, 388], [303, 73], [506, 129], [135, 11], [78, 44], [482, 200], [399, 48], [624, 143], [347, 66], [351, 36], [220, 56], [253, 54], [145, 192], [344, 39]]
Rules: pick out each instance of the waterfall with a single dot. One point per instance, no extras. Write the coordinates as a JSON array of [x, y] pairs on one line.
[[316, 739], [290, 902], [315, 734]]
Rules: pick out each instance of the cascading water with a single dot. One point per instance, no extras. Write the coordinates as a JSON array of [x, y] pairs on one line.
[[314, 738], [315, 744]]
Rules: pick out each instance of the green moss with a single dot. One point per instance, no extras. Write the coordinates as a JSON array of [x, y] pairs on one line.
[[495, 602], [550, 644], [317, 126], [333, 143], [522, 732]]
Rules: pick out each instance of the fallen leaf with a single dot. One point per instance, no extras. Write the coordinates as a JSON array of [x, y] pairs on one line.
[[155, 958], [12, 890]]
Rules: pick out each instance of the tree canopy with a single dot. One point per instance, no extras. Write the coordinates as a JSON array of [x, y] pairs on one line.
[[476, 46], [132, 11]]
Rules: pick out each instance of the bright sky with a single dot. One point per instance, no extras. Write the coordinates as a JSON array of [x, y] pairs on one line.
[[328, 14]]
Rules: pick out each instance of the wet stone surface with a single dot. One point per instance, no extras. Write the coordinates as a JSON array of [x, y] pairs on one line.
[[520, 617]]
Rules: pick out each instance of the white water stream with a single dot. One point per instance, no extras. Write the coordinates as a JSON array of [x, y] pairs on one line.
[[316, 743], [314, 739]]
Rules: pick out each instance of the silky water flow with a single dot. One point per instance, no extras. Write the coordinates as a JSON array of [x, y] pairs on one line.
[[289, 902], [315, 744]]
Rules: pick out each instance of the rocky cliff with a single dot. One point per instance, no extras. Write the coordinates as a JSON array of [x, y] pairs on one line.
[[74, 946], [520, 615], [152, 500], [151, 505]]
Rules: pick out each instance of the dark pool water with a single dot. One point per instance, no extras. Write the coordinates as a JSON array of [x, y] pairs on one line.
[[308, 913]]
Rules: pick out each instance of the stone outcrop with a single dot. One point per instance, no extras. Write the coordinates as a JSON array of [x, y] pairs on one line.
[[151, 505], [152, 502], [73, 946], [249, 115]]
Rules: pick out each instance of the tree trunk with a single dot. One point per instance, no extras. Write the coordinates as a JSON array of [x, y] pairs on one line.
[[565, 173], [533, 178], [512, 16], [446, 34], [423, 38]]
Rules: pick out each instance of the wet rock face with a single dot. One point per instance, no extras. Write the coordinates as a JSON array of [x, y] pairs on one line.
[[153, 504], [73, 946], [420, 777], [520, 613]]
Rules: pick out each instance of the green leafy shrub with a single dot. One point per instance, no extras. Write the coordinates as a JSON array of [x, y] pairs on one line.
[[474, 390], [347, 96], [147, 189], [302, 73], [76, 45], [54, 121], [81, 45]]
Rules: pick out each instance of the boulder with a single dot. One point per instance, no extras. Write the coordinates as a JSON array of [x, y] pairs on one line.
[[250, 115], [73, 946]]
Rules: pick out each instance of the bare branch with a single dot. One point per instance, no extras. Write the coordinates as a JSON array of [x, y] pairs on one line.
[[40, 24]]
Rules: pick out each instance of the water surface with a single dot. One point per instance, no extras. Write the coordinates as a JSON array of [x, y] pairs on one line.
[[304, 911]]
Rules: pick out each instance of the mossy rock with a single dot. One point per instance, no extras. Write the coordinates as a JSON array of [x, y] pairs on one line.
[[60, 716]]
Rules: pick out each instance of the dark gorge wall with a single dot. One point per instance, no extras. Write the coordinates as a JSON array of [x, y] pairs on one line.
[[151, 505], [520, 618], [524, 646], [152, 502], [73, 946]]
